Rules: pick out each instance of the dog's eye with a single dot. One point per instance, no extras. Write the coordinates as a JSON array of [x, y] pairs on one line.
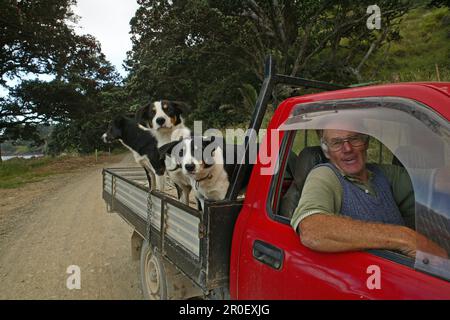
[[181, 153]]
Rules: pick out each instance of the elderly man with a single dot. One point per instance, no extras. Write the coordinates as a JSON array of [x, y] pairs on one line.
[[348, 205]]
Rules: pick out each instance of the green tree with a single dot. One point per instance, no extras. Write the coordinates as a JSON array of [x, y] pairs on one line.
[[37, 39], [82, 133], [440, 3], [206, 51], [33, 36]]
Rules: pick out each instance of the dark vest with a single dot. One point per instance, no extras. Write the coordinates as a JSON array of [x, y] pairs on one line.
[[358, 204]]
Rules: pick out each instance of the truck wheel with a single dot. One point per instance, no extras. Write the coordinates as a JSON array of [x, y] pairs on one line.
[[161, 280], [153, 276]]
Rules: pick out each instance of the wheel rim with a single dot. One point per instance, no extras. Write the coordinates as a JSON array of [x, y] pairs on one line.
[[153, 276]]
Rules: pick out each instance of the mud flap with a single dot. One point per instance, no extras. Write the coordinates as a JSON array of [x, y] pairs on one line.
[[136, 244]]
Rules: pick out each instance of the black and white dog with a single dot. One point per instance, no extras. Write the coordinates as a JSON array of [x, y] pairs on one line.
[[143, 146], [163, 119], [204, 161]]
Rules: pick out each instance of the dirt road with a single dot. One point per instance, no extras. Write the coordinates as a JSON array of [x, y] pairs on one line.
[[46, 227]]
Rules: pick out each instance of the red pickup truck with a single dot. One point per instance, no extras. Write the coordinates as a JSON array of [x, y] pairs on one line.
[[246, 248]]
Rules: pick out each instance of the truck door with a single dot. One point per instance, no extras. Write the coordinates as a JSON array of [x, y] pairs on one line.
[[268, 258]]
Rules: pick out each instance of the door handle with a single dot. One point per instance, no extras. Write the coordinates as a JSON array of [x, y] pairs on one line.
[[268, 254]]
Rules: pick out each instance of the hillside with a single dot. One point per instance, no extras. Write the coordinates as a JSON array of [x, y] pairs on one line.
[[424, 44], [20, 148]]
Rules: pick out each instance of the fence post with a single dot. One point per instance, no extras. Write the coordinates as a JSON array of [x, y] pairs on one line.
[[437, 72]]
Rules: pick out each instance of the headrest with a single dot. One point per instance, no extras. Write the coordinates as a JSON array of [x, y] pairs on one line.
[[299, 168], [308, 158]]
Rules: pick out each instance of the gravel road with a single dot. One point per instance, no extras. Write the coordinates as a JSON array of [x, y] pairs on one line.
[[47, 226]]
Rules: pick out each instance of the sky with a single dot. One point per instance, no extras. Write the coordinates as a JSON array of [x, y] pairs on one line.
[[109, 22]]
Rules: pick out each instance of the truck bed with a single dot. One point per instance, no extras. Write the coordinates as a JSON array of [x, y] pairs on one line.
[[197, 243]]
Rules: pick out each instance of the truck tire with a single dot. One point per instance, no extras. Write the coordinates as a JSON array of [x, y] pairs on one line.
[[160, 280], [153, 274]]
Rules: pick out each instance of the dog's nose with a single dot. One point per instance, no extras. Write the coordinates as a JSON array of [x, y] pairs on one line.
[[189, 167], [160, 121]]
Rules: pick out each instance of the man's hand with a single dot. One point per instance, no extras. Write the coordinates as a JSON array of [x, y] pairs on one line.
[[417, 242]]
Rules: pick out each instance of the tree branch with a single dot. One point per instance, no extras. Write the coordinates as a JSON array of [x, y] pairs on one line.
[[324, 41], [279, 21], [306, 38]]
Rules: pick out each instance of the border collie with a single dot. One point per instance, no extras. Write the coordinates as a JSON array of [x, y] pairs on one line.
[[143, 146], [163, 119], [202, 160]]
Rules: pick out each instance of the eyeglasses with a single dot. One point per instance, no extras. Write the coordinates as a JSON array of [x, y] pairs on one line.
[[358, 140]]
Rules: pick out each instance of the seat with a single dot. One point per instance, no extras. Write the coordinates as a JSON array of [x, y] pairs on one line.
[[308, 158]]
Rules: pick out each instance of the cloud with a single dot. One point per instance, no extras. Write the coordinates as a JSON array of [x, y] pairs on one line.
[[109, 22]]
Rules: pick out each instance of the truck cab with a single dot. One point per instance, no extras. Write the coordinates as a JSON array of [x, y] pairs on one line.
[[409, 126]]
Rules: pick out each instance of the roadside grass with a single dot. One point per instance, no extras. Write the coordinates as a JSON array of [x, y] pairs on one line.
[[16, 172]]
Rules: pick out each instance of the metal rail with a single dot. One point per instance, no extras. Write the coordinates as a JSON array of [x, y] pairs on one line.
[[198, 243], [170, 217], [271, 80]]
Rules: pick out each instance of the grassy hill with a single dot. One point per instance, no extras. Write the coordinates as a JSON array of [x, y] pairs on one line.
[[20, 148], [422, 53]]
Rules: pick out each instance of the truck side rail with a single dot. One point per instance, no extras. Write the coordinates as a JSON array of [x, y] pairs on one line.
[[125, 192], [197, 243]]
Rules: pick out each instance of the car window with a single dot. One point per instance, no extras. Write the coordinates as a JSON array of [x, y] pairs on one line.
[[403, 132], [304, 138]]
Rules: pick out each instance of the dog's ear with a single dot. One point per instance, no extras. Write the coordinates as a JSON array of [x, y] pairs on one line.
[[209, 149], [116, 126], [168, 148], [142, 115], [119, 121], [181, 106], [206, 141]]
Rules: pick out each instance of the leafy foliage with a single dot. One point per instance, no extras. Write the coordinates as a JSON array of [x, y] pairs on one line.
[[34, 36], [205, 51], [440, 3], [84, 90]]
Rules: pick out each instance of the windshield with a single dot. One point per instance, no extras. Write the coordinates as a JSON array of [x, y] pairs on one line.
[[420, 142]]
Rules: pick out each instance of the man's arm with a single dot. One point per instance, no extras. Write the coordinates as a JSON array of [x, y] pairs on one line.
[[332, 233]]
